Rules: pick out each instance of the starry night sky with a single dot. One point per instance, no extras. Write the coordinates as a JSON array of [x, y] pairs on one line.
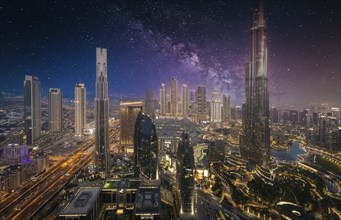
[[148, 42]]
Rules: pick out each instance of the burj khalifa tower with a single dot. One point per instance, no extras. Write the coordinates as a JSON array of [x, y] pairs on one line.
[[255, 139]]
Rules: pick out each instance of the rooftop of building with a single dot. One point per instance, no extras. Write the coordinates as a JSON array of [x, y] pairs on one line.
[[131, 103], [123, 183], [148, 200], [40, 154], [83, 201]]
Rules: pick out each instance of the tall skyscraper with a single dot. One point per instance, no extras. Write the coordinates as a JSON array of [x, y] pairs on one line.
[[174, 97], [145, 148], [216, 107], [149, 108], [32, 108], [129, 111], [163, 99], [80, 109], [274, 115], [192, 96], [184, 100], [226, 110], [201, 100], [102, 155], [55, 110], [255, 141], [185, 176]]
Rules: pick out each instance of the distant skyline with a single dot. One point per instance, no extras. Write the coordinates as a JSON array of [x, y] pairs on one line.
[[148, 42]]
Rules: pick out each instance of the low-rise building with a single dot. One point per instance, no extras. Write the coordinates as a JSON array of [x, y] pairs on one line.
[[119, 195], [84, 205], [41, 162], [148, 203]]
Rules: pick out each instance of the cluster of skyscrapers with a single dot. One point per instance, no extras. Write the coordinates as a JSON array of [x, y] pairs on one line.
[[138, 129], [138, 134], [32, 109], [193, 104], [320, 123]]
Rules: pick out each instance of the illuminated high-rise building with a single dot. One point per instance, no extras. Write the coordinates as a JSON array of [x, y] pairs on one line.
[[226, 110], [201, 100], [145, 148], [163, 99], [174, 97], [32, 111], [102, 155], [216, 107], [184, 94], [255, 141], [149, 102], [129, 111], [55, 109], [274, 115], [185, 176], [80, 109], [192, 96]]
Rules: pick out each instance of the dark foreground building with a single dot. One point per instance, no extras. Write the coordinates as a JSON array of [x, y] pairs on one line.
[[84, 206], [145, 148], [185, 177]]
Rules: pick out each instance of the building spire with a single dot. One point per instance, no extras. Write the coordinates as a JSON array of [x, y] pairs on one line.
[[261, 20]]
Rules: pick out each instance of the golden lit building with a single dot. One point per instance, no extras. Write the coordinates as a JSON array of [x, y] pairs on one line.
[[128, 114]]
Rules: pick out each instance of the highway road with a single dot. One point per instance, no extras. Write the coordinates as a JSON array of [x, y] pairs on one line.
[[29, 199], [53, 185], [35, 194]]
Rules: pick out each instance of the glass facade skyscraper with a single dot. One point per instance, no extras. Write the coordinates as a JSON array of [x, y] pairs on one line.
[[32, 106], [216, 107], [185, 175], [174, 97], [129, 111], [255, 141], [55, 110], [145, 148], [149, 107], [80, 109], [201, 101], [226, 109], [102, 155], [163, 99]]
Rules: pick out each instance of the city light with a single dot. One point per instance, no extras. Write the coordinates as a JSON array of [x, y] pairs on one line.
[[170, 110]]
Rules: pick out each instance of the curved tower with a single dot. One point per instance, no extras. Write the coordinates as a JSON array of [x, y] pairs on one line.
[[255, 141], [102, 155], [145, 148], [185, 176]]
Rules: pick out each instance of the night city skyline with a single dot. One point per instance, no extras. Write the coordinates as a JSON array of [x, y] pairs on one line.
[[164, 110], [202, 43]]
